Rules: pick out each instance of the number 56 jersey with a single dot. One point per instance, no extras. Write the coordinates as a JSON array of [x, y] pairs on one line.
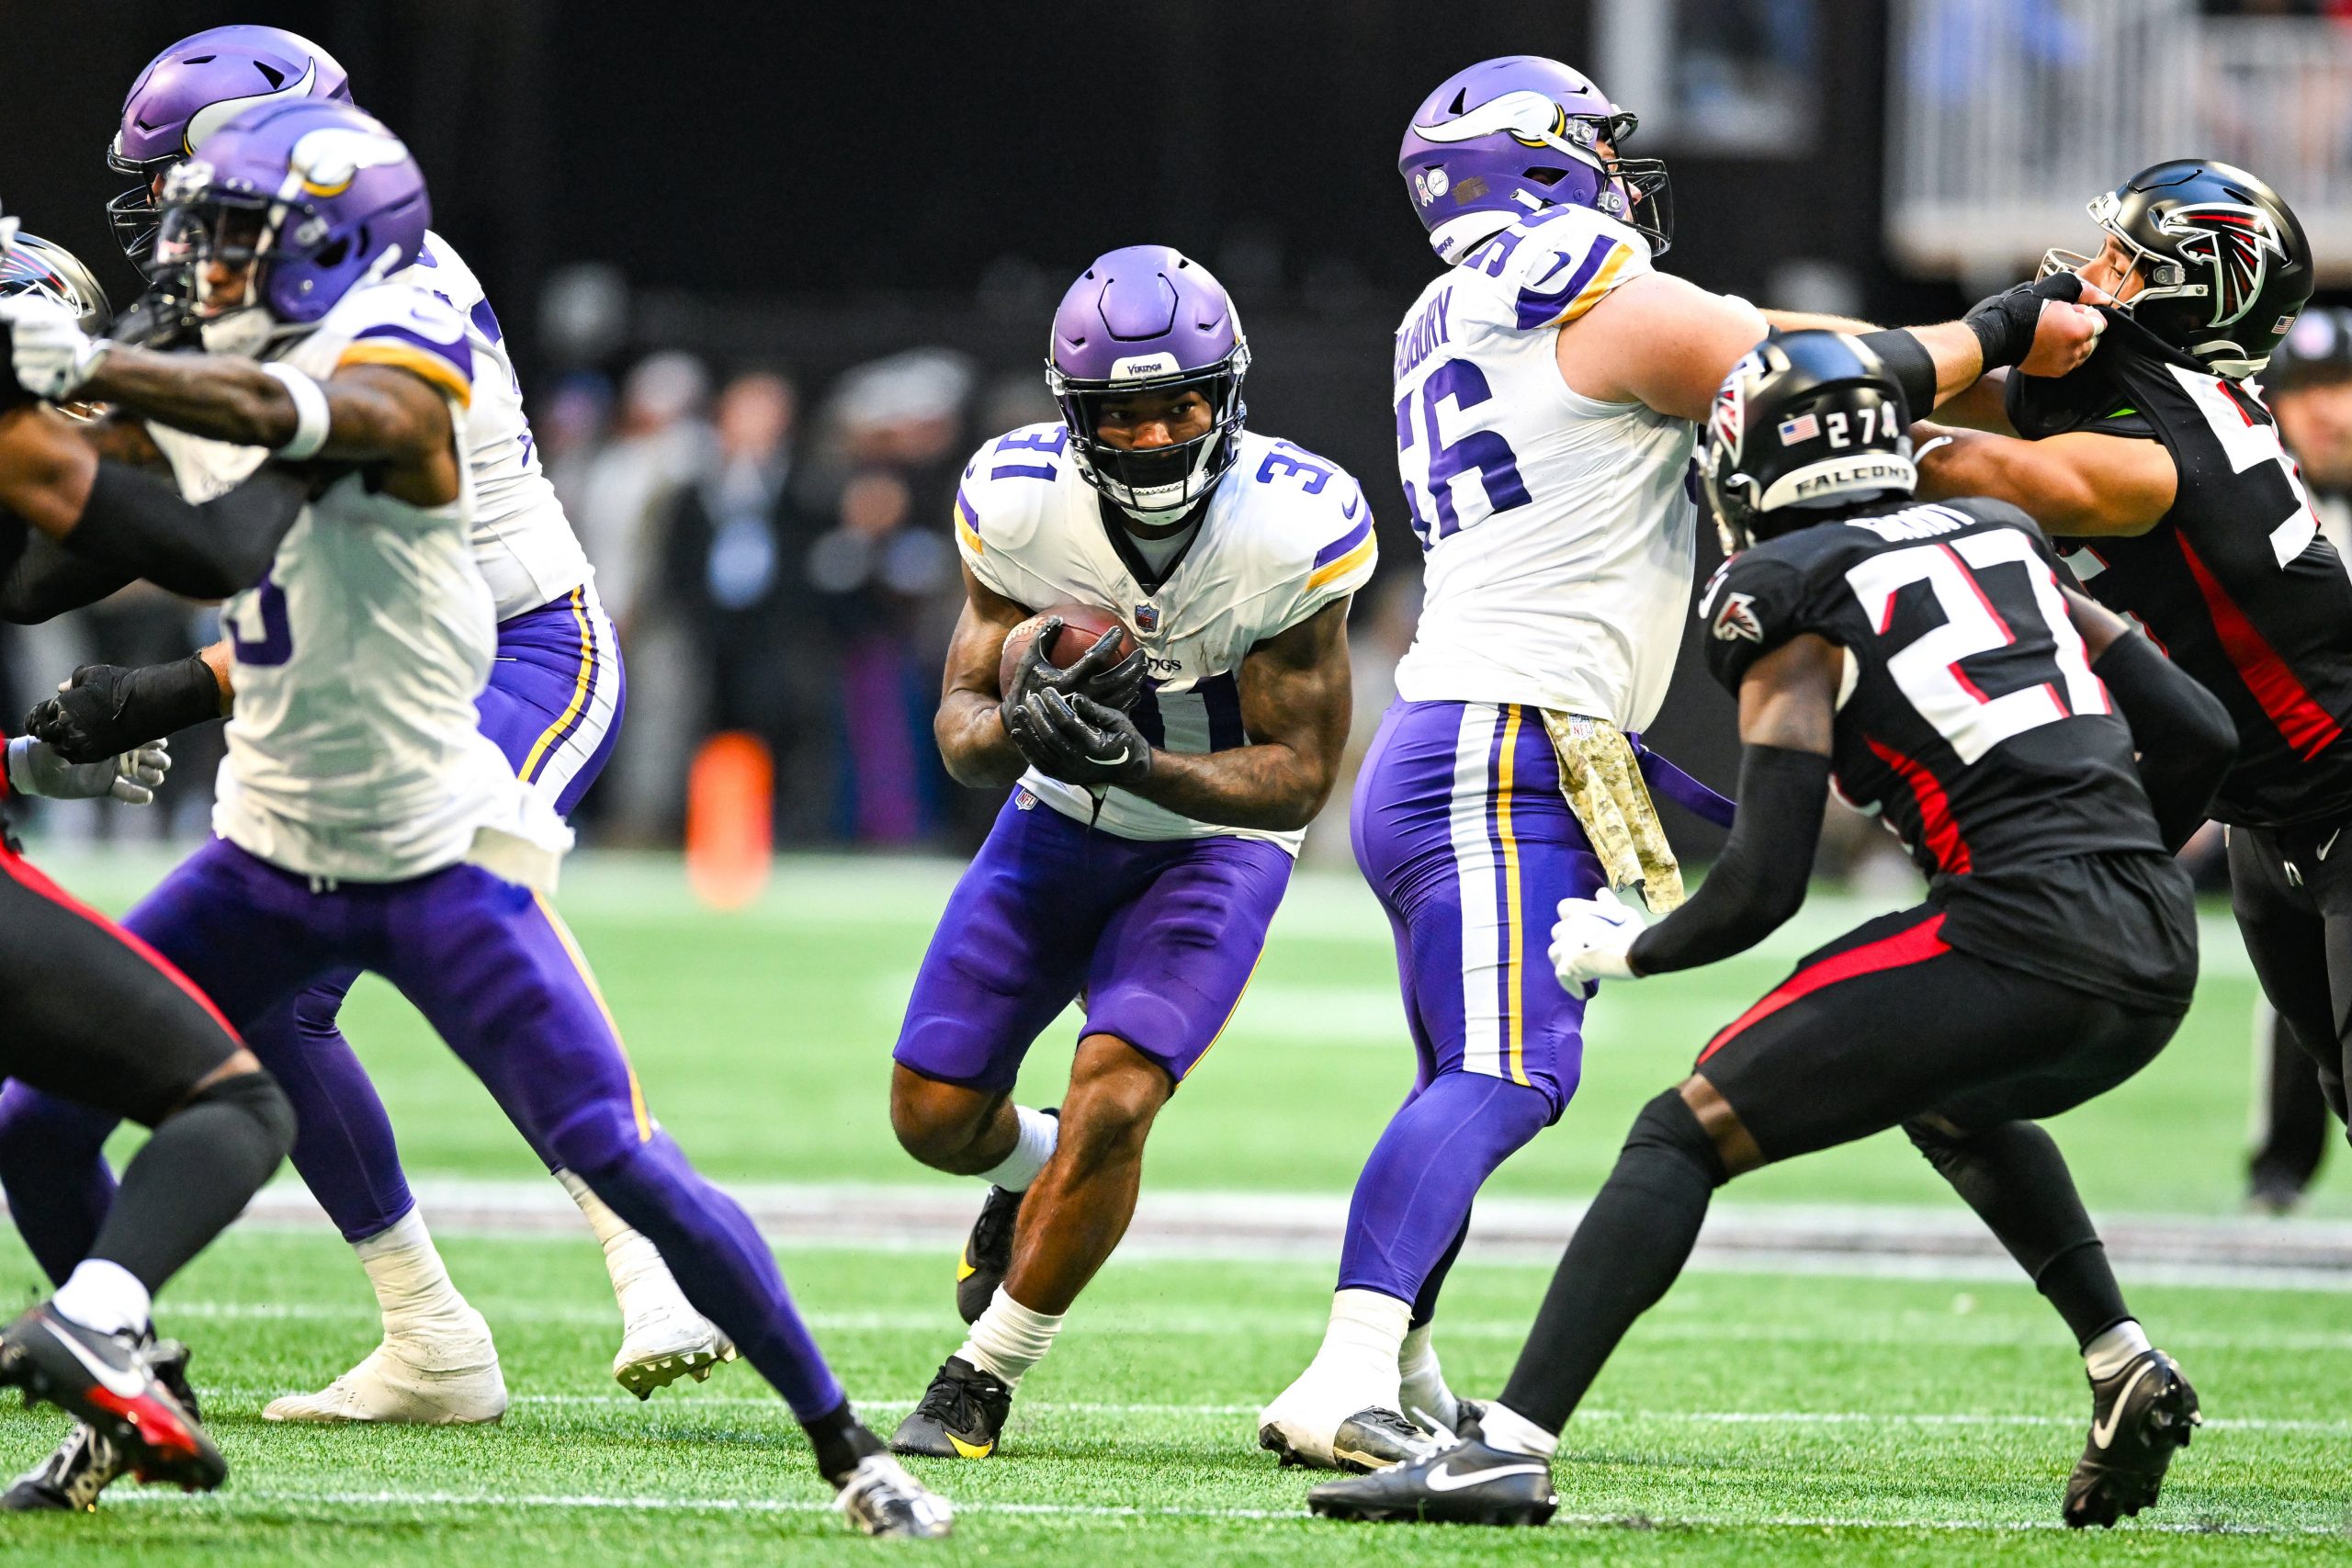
[[1969, 721], [1285, 534], [1559, 540]]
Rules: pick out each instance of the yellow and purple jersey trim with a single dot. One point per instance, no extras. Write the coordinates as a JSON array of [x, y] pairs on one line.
[[968, 523], [1351, 552], [1594, 276], [447, 367]]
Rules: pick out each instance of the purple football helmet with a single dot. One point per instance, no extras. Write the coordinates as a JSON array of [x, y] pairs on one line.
[[1508, 138], [1148, 319], [191, 90], [301, 202]]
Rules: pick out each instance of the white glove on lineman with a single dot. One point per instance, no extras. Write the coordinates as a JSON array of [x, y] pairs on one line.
[[35, 768], [1590, 940], [54, 357]]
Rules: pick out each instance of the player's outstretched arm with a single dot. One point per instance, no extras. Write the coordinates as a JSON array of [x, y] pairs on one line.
[[2185, 738], [968, 726], [2076, 485]]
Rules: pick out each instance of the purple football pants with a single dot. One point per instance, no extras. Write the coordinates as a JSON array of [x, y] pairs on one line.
[[497, 976], [1462, 830], [554, 705]]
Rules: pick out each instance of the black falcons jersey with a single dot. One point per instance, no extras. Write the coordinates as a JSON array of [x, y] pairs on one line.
[[2236, 582], [1969, 721]]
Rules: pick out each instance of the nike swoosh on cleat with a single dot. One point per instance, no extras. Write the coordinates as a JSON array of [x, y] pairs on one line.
[[974, 1450], [122, 1384], [2103, 1432], [1442, 1479]]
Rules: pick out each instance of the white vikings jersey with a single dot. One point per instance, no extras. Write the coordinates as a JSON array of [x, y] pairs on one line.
[[354, 751], [1285, 534], [1559, 540], [522, 540]]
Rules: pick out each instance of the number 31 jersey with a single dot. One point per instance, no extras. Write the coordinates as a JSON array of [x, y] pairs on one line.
[[1285, 535], [1558, 538], [1969, 721]]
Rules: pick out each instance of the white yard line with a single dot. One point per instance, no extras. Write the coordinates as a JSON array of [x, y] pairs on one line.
[[667, 1503]]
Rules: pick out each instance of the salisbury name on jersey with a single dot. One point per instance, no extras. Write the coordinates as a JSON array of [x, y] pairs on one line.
[[354, 751], [1970, 721], [1283, 535], [1559, 538], [2236, 582]]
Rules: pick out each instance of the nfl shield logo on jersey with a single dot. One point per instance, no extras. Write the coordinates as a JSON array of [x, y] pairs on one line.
[[1146, 618]]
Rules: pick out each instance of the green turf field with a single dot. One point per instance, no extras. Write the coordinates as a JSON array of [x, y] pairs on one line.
[[1757, 1415]]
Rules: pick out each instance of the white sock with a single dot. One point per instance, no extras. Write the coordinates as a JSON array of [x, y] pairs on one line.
[[2112, 1350], [1016, 1170], [634, 1262], [104, 1296], [1505, 1428], [1009, 1338], [1421, 1382], [411, 1283], [1362, 1343]]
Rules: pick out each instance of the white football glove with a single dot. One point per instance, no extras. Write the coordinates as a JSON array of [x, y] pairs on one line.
[[1590, 940], [35, 768], [54, 357]]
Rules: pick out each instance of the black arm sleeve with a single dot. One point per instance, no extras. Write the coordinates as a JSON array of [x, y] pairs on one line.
[[2186, 738], [49, 580], [107, 710], [1913, 367], [137, 523], [1760, 877]]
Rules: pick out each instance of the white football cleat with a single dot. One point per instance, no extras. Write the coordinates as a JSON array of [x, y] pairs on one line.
[[409, 1379], [1302, 1421], [666, 1342]]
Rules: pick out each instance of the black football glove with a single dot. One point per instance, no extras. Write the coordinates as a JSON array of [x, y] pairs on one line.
[[106, 710], [1095, 673], [1080, 742], [2004, 322]]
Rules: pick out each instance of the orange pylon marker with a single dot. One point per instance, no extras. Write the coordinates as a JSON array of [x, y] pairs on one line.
[[730, 798]]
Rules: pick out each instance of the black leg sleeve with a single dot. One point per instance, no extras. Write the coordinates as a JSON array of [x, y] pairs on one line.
[[1630, 1248], [204, 1163], [2016, 1179]]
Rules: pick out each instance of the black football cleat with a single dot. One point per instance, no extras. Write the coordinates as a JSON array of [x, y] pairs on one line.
[[1375, 1439], [881, 1498], [106, 1382], [987, 1251], [961, 1416], [1463, 1483], [69, 1479], [2138, 1417]]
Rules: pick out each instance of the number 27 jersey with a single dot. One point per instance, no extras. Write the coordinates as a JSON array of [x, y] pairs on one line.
[[1969, 720]]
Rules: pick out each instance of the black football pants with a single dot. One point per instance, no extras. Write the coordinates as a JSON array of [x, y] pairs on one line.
[[2292, 890], [1888, 1026]]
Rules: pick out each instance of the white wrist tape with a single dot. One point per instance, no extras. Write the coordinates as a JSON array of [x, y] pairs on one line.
[[309, 411]]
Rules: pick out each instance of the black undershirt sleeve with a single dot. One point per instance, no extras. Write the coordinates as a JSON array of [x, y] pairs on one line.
[[2185, 736], [1913, 367], [137, 523], [49, 580], [1759, 880]]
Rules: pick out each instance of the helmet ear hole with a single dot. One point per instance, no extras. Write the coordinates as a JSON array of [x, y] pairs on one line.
[[335, 250]]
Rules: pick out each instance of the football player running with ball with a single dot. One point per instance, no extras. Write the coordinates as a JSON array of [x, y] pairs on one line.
[[1157, 801], [1925, 660], [1549, 387]]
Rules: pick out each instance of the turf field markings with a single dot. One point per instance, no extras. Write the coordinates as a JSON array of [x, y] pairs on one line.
[[671, 1503]]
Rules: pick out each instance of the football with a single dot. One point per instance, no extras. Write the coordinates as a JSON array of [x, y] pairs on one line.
[[1082, 627]]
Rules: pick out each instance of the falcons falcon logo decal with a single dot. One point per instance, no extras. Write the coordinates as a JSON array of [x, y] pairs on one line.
[[2235, 244], [1737, 619]]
